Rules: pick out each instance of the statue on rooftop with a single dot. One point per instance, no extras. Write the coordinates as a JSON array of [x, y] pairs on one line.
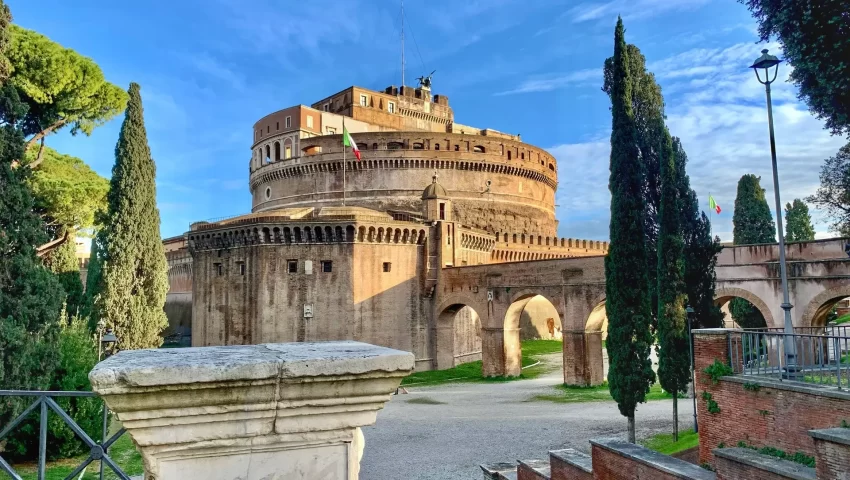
[[425, 82]]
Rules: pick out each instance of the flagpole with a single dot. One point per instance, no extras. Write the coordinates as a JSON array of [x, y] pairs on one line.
[[710, 222], [343, 161]]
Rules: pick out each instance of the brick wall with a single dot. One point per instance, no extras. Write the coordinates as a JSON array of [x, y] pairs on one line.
[[779, 414], [833, 452], [562, 470], [747, 464], [619, 460]]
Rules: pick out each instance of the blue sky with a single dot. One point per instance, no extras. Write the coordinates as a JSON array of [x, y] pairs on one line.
[[209, 69]]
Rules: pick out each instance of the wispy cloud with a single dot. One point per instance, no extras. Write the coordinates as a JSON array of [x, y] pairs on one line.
[[554, 82], [630, 9], [212, 67]]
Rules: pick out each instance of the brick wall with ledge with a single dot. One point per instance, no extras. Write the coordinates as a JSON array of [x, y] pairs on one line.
[[747, 464], [832, 451], [768, 412], [620, 460]]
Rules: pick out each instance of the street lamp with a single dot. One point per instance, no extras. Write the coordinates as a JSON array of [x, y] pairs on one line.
[[106, 340], [767, 62], [690, 312]]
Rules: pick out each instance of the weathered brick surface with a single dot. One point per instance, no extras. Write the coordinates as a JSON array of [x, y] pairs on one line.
[[832, 454], [536, 470], [609, 464], [746, 464], [774, 416], [567, 465]]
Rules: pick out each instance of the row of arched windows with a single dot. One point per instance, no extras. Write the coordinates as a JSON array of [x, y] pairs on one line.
[[305, 234], [521, 238], [508, 256]]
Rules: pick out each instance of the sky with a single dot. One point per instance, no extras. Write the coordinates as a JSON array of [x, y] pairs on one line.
[[209, 69]]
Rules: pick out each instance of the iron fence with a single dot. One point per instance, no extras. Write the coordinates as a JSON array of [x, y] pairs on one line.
[[44, 401], [811, 358]]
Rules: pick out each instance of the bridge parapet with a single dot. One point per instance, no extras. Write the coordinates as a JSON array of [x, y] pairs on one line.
[[827, 249]]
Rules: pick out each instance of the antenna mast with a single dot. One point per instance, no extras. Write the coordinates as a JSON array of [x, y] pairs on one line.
[[402, 43]]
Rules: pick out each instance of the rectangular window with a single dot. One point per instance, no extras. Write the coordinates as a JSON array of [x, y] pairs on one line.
[[308, 267], [327, 266], [219, 269], [326, 107], [331, 131], [241, 268], [288, 122], [309, 121], [442, 211], [387, 266], [391, 107], [292, 266], [363, 100], [287, 152], [277, 126], [268, 128]]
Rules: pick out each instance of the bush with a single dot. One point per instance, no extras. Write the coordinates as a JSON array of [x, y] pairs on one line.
[[76, 352]]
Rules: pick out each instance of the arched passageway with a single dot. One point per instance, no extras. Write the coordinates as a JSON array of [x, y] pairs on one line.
[[540, 318], [458, 336], [723, 298]]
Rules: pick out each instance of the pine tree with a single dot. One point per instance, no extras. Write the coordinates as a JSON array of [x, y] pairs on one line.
[[63, 262], [752, 224], [627, 302], [700, 251], [673, 347], [798, 222], [134, 282]]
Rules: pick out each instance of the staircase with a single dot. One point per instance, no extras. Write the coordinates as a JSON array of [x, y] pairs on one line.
[[566, 464]]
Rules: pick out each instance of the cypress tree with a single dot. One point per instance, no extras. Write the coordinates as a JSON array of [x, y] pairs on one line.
[[673, 347], [798, 222], [752, 223], [63, 262], [700, 250], [93, 278], [627, 302], [131, 292]]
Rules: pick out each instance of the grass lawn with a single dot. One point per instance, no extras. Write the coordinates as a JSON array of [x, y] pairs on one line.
[[843, 319], [663, 442], [123, 452], [471, 372], [570, 394]]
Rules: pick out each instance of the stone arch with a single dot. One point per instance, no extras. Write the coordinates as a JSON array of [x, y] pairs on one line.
[[276, 151], [725, 294], [458, 335], [361, 234], [268, 152], [328, 234], [319, 236], [371, 235], [349, 233], [819, 307], [340, 237], [512, 326]]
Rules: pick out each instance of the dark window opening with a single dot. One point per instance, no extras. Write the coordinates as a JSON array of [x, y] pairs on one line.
[[327, 266], [292, 266], [277, 126], [457, 148], [387, 266], [436, 146], [241, 268], [219, 269], [442, 211]]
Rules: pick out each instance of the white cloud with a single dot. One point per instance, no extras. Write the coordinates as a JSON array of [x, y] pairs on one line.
[[554, 82], [629, 9]]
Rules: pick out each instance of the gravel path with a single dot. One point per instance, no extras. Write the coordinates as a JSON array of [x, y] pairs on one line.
[[494, 422]]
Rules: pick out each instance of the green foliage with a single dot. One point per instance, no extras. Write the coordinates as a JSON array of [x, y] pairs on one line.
[[797, 457], [648, 110], [844, 424], [599, 393], [67, 190], [833, 195], [94, 275], [710, 404], [5, 21], [798, 222], [665, 443], [63, 262], [707, 466], [752, 387], [673, 342], [134, 281], [627, 302], [61, 87], [716, 370], [764, 413], [815, 41]]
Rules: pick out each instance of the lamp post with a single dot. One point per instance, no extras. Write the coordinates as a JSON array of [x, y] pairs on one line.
[[690, 312], [106, 340], [767, 62]]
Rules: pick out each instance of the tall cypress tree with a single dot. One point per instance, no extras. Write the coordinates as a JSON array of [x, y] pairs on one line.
[[798, 222], [627, 302], [134, 282], [752, 224], [673, 351], [700, 251]]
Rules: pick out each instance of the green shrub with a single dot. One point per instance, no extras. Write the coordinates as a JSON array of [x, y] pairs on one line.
[[76, 352], [716, 370]]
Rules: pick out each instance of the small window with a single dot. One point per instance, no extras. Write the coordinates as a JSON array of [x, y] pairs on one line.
[[391, 107], [219, 269], [277, 126], [387, 266], [442, 211], [436, 146], [288, 122], [308, 267], [331, 131], [457, 148], [241, 268], [268, 193], [363, 100], [309, 121], [287, 152], [292, 266], [522, 156], [326, 107], [327, 266]]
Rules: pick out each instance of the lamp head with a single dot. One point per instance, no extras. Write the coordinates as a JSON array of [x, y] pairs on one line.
[[766, 62]]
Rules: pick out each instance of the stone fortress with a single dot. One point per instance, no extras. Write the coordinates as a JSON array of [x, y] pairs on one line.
[[320, 258]]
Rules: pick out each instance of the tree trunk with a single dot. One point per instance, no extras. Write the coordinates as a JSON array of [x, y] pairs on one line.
[[632, 428], [675, 417], [40, 136]]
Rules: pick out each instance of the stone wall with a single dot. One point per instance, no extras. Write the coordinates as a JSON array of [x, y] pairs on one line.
[[619, 460], [766, 413]]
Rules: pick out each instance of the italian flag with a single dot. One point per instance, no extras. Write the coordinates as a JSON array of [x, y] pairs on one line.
[[711, 203], [347, 141]]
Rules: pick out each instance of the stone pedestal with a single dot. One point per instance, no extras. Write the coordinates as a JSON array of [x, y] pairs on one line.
[[275, 411]]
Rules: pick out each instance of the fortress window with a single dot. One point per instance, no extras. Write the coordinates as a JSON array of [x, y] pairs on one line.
[[436, 146], [277, 126], [457, 148], [478, 149], [292, 266], [331, 131], [326, 107], [522, 155], [391, 107], [309, 121], [268, 193], [387, 266], [327, 266], [509, 154], [363, 100], [395, 146], [241, 268], [288, 122], [219, 270], [418, 146], [442, 211]]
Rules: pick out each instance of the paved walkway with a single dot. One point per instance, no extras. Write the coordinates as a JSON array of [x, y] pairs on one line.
[[492, 422]]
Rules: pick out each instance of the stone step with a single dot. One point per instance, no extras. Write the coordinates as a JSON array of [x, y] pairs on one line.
[[493, 470], [570, 464], [533, 470]]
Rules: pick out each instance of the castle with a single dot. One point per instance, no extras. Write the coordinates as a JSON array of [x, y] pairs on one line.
[[322, 257]]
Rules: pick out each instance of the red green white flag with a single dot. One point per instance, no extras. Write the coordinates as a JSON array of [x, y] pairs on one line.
[[347, 141], [711, 203]]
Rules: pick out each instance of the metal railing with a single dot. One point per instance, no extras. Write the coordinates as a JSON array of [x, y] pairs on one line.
[[44, 400], [833, 330], [810, 358]]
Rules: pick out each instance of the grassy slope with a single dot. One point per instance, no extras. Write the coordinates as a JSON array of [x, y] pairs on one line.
[[569, 394], [123, 452], [471, 372], [663, 442]]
